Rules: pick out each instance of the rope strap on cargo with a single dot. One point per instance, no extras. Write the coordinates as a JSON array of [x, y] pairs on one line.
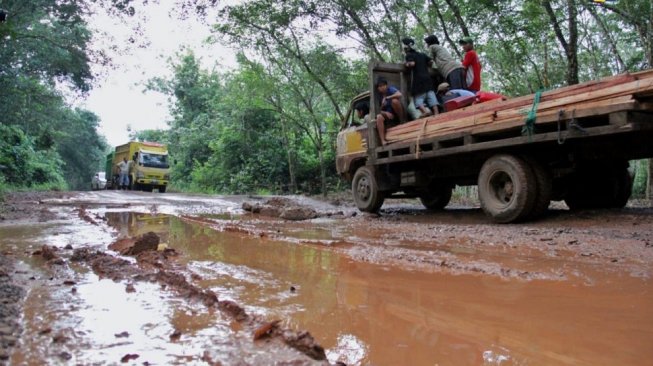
[[419, 137], [529, 123]]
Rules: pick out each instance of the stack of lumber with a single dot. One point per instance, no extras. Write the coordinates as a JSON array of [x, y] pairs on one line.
[[611, 94]]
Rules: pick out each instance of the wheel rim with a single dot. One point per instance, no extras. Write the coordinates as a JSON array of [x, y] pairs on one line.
[[363, 188], [502, 187]]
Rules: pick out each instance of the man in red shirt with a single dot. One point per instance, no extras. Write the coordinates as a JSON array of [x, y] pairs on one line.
[[471, 64]]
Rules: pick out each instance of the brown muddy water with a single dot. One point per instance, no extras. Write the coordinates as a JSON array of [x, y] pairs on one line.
[[362, 313]]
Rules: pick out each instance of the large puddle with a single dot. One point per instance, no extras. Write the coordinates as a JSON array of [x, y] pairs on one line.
[[362, 313], [371, 314]]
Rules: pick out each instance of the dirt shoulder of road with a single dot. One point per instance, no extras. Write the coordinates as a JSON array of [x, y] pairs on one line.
[[462, 240]]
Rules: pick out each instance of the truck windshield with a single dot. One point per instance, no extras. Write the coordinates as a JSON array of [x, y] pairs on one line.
[[154, 160]]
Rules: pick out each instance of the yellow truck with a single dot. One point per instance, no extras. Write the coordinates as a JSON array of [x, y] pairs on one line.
[[149, 165]]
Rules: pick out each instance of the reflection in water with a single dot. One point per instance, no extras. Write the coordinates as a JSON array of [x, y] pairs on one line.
[[130, 224]]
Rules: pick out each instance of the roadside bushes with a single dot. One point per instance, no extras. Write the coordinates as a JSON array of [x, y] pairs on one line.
[[23, 166]]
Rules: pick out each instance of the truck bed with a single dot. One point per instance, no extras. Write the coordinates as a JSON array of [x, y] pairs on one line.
[[605, 108]]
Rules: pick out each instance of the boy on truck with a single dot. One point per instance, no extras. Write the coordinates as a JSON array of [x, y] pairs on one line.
[[391, 107]]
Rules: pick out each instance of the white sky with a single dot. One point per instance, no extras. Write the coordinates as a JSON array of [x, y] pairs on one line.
[[120, 100]]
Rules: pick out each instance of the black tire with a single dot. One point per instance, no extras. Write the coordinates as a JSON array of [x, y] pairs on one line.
[[596, 187], [366, 190], [544, 182], [162, 189], [623, 183], [507, 188], [437, 197]]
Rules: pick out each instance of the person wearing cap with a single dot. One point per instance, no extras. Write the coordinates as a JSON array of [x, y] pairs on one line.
[[471, 64], [421, 86], [451, 69], [391, 108]]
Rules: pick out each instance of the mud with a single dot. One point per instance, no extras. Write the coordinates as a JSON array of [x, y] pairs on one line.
[[405, 286]]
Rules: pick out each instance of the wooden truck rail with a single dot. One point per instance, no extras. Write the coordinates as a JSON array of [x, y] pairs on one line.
[[571, 143]]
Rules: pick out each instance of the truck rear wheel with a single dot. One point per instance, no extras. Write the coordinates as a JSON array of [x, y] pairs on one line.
[[599, 186], [507, 188], [162, 189], [366, 190], [544, 183], [437, 197]]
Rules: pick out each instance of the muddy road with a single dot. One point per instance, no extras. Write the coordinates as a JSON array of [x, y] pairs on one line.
[[257, 280]]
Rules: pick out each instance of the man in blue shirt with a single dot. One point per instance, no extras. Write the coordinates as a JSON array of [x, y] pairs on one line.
[[391, 107]]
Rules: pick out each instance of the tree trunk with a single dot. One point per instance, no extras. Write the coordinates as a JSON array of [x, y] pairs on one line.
[[453, 44], [367, 37], [608, 35], [456, 12], [570, 47], [320, 154], [289, 156]]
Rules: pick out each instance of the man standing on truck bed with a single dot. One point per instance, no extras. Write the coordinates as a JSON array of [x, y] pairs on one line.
[[471, 64], [450, 68], [421, 86], [391, 108]]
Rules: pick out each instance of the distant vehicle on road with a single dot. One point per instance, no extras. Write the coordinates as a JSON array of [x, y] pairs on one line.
[[99, 181], [149, 166]]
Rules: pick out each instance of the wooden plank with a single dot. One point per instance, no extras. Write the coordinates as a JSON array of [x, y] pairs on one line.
[[552, 116], [393, 133], [613, 91]]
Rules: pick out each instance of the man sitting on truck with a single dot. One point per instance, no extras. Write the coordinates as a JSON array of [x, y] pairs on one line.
[[391, 107], [363, 111]]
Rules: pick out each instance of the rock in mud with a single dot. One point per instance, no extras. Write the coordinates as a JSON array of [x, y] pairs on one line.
[[48, 252], [233, 309], [149, 241], [281, 207], [251, 207], [298, 213], [305, 343], [265, 329]]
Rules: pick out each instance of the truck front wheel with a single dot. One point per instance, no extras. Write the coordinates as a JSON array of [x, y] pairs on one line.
[[366, 190], [507, 188]]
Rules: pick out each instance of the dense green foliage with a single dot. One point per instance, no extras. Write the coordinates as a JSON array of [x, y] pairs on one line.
[[44, 143]]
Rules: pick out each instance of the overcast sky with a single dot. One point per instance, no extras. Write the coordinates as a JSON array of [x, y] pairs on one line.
[[120, 100]]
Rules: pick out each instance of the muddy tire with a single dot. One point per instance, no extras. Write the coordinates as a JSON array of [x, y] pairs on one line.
[[437, 197], [366, 190], [598, 187], [622, 186], [507, 188], [544, 183]]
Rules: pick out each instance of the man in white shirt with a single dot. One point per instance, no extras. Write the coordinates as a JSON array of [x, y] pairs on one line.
[[123, 181]]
